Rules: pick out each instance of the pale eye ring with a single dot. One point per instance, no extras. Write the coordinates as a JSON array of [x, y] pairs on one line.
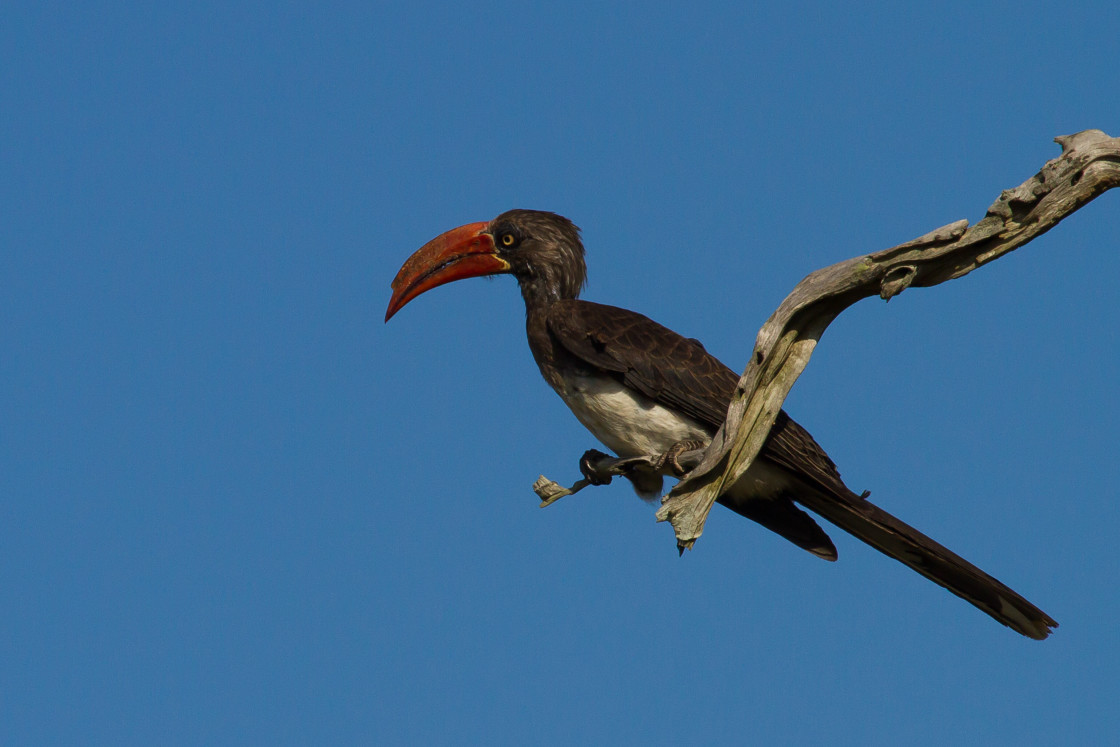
[[508, 239]]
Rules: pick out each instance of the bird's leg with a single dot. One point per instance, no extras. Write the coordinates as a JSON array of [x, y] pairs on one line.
[[672, 457]]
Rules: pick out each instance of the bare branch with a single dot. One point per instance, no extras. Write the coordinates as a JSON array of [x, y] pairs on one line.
[[1089, 165]]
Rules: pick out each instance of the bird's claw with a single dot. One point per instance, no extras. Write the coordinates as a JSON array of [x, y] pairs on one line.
[[671, 457], [589, 467], [598, 469]]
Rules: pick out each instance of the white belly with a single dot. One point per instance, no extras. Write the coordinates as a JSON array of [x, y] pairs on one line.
[[631, 424], [627, 422]]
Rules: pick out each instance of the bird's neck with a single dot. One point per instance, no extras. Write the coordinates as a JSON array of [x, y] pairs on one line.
[[542, 288], [540, 291], [544, 348]]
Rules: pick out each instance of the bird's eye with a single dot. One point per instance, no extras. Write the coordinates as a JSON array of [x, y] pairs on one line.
[[508, 239]]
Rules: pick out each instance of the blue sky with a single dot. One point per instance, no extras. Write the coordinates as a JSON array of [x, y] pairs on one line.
[[235, 507]]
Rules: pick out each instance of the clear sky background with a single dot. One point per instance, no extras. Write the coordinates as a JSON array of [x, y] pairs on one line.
[[235, 507]]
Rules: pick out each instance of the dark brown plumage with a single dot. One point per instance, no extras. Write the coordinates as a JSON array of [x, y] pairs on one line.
[[640, 388]]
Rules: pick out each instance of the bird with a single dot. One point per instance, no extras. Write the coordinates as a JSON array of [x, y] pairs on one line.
[[641, 388]]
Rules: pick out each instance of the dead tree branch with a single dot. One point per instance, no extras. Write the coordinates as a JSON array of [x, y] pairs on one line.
[[1088, 166]]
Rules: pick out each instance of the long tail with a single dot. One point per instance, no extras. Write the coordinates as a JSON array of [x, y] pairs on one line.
[[890, 536]]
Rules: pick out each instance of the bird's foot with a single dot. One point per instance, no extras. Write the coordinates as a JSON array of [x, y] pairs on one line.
[[598, 469], [591, 469], [671, 457]]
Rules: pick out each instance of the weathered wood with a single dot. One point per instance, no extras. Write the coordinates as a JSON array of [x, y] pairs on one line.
[[1088, 166]]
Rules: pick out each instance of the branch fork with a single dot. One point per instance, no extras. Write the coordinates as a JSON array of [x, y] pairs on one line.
[[1088, 166]]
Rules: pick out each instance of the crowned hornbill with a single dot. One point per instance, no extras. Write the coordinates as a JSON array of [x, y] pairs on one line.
[[643, 389]]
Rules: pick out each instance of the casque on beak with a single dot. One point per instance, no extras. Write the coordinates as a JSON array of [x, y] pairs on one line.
[[464, 252]]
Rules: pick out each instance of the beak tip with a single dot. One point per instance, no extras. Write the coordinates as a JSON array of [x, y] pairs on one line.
[[462, 252]]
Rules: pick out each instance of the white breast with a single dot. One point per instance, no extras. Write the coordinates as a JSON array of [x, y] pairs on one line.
[[627, 422]]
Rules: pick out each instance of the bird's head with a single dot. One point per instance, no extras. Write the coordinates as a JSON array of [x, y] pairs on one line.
[[542, 250]]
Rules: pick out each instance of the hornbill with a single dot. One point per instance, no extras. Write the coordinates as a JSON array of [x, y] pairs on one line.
[[641, 388]]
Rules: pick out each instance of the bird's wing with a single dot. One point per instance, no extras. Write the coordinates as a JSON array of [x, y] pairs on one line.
[[790, 446], [679, 373], [670, 369]]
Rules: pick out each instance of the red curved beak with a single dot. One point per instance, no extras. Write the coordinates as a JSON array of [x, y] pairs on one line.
[[463, 252]]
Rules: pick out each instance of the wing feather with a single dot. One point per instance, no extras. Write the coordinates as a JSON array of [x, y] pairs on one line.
[[679, 373]]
